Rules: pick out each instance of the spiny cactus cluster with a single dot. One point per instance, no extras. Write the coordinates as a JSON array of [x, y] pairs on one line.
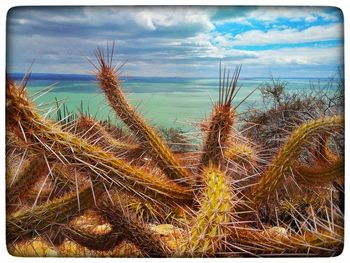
[[76, 188]]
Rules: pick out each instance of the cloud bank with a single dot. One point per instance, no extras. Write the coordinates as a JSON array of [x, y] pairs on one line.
[[179, 41]]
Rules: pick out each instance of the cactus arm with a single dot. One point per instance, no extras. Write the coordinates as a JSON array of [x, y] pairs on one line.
[[39, 218], [287, 155], [101, 242], [115, 210], [320, 174], [26, 178], [165, 159], [209, 227]]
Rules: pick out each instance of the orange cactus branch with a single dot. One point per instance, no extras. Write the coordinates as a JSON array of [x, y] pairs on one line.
[[320, 174]]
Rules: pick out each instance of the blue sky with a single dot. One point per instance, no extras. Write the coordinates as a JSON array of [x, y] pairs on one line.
[[179, 41]]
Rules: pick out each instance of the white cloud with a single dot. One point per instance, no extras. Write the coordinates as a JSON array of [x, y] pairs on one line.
[[151, 18], [154, 18], [271, 14], [274, 36], [223, 40], [214, 46], [300, 56]]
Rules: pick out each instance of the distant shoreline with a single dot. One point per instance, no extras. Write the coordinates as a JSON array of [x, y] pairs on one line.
[[85, 77]]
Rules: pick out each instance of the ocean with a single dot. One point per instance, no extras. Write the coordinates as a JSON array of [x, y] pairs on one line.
[[167, 102]]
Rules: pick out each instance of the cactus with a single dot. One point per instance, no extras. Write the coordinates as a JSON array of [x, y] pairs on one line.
[[241, 153], [276, 241], [288, 154], [94, 241], [148, 137], [101, 198], [209, 227], [26, 221], [319, 174], [221, 121], [64, 175], [322, 152], [115, 209], [94, 131], [27, 176]]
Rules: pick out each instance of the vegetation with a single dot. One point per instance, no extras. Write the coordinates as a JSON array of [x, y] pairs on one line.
[[268, 184]]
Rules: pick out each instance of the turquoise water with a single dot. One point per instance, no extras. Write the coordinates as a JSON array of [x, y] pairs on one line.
[[168, 102]]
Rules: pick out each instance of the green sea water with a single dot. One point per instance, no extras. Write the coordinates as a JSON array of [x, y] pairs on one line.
[[167, 102]]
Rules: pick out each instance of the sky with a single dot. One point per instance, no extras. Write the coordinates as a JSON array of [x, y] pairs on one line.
[[179, 41]]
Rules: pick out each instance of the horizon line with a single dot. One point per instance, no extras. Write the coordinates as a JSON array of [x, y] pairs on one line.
[[36, 74]]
